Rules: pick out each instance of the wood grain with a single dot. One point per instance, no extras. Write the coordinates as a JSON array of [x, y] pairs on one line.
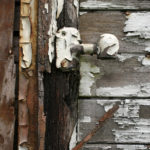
[[128, 125], [93, 24], [114, 77], [114, 5]]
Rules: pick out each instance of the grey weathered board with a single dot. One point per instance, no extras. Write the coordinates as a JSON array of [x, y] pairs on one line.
[[132, 28], [114, 4], [130, 123], [124, 76], [115, 147]]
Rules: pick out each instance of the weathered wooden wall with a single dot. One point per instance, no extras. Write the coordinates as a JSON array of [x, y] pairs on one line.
[[7, 75], [124, 80]]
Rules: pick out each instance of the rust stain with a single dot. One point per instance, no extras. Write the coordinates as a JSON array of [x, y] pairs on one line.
[[28, 78], [105, 117]]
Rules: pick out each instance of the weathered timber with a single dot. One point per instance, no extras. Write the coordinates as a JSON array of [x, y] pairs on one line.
[[114, 147], [7, 75], [132, 36], [130, 124], [114, 5], [101, 122], [124, 76], [60, 88], [28, 81]]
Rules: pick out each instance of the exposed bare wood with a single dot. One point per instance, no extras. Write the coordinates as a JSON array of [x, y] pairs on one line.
[[28, 84], [114, 5], [124, 76], [7, 75], [116, 23], [101, 121], [130, 124], [114, 147]]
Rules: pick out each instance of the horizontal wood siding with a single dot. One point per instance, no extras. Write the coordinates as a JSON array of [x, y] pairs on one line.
[[130, 124], [114, 5], [92, 24]]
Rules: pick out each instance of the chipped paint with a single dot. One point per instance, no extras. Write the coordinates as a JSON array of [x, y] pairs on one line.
[[85, 119], [25, 33], [130, 124], [52, 31], [132, 147], [146, 61], [60, 4], [124, 91], [46, 7], [108, 44], [95, 4], [73, 140], [27, 76], [76, 4], [87, 80], [67, 37], [26, 56], [82, 13]]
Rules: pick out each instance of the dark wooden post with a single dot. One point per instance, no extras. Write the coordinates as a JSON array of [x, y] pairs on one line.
[[60, 88]]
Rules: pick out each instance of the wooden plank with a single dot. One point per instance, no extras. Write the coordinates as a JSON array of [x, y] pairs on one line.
[[114, 5], [60, 88], [125, 76], [114, 147], [132, 35], [28, 77], [7, 75], [130, 124]]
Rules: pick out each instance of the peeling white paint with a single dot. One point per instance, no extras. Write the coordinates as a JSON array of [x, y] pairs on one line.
[[108, 43], [67, 37], [130, 90], [76, 4], [86, 119], [73, 140], [131, 147], [46, 7], [139, 28], [123, 57], [96, 4], [52, 31], [82, 13], [22, 148], [27, 55], [60, 4], [87, 80], [25, 32], [146, 61]]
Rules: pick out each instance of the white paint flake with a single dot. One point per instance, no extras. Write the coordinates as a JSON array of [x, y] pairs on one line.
[[60, 4], [66, 38], [52, 31], [73, 140], [87, 80], [76, 4], [86, 119], [146, 61], [130, 90], [25, 31], [139, 28], [124, 57], [96, 4], [46, 7], [27, 55], [131, 147]]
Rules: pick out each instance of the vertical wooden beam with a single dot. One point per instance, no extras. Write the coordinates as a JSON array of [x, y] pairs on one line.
[[28, 81], [60, 88], [7, 75]]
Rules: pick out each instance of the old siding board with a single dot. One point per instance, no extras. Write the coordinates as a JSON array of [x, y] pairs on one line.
[[7, 75], [128, 124], [114, 147], [124, 76], [92, 24], [114, 5]]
